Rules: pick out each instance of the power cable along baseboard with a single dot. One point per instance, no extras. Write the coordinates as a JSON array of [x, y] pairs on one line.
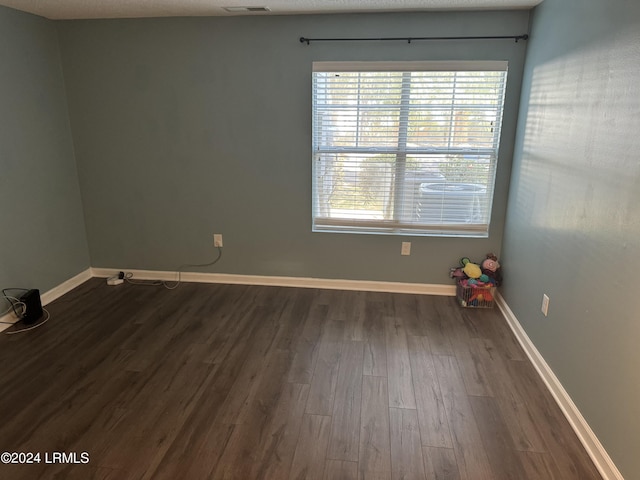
[[128, 276]]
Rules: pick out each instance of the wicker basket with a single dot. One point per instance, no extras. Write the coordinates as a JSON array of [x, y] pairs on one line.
[[476, 297]]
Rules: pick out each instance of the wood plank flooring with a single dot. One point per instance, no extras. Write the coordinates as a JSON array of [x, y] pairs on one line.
[[246, 382]]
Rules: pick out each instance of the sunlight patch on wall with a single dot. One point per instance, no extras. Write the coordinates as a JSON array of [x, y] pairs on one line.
[[582, 141]]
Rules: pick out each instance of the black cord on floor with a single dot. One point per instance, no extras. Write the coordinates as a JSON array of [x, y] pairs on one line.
[[32, 327]]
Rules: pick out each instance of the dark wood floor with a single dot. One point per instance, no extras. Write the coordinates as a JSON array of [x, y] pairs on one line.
[[227, 381]]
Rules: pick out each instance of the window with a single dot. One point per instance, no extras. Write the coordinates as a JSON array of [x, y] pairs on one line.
[[406, 147]]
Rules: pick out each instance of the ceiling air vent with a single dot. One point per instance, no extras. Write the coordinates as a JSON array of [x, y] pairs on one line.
[[246, 9]]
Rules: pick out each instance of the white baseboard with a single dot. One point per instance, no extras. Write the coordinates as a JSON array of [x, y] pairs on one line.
[[592, 445], [65, 287], [50, 295], [7, 320], [300, 282]]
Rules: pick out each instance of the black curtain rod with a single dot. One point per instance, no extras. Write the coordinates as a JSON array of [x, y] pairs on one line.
[[411, 39]]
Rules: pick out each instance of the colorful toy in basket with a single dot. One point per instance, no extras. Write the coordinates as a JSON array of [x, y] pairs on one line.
[[491, 268], [466, 270], [470, 273], [470, 269], [487, 272], [480, 295]]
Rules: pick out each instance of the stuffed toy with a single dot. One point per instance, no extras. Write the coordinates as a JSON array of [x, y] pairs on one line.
[[491, 268], [457, 273], [480, 295], [470, 269]]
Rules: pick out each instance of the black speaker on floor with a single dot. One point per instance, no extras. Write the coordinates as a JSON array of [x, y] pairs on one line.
[[33, 310]]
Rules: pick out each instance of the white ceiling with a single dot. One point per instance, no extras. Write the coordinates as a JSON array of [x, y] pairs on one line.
[[75, 9]]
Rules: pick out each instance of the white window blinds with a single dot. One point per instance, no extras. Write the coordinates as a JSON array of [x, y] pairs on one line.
[[406, 147]]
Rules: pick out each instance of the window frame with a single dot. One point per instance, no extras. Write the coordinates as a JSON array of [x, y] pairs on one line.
[[396, 226]]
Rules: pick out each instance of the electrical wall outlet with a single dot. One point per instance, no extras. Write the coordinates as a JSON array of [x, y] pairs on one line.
[[545, 304], [217, 240], [406, 248]]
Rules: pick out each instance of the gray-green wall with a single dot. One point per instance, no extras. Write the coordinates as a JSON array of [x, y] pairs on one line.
[[185, 127], [42, 234], [573, 223]]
